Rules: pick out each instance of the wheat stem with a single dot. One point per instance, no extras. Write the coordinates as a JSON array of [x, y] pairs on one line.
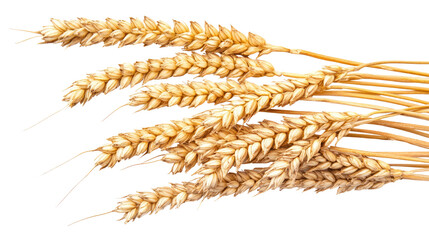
[[413, 176], [412, 141], [354, 63], [378, 154], [366, 96], [387, 85], [405, 79], [386, 93], [401, 125], [388, 61]]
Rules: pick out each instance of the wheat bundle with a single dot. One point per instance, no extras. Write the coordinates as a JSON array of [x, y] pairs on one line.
[[299, 152]]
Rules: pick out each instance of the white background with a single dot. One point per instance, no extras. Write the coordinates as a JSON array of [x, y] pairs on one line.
[[33, 78]]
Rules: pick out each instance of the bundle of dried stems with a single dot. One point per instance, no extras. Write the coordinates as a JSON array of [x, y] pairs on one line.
[[298, 152]]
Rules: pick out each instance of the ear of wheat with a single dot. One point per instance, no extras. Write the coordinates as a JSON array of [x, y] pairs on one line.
[[88, 32], [128, 74]]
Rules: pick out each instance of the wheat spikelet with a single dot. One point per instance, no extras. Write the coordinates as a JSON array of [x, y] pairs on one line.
[[194, 37], [187, 155], [288, 164], [128, 74]]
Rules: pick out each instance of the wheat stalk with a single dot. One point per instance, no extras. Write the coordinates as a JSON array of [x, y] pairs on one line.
[[88, 32], [194, 94]]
